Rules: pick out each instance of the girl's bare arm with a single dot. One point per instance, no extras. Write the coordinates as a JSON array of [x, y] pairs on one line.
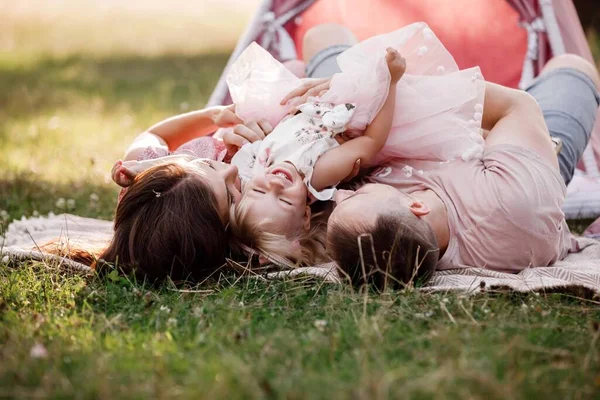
[[336, 164]]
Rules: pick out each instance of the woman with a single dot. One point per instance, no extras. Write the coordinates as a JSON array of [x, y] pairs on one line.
[[158, 231], [500, 212]]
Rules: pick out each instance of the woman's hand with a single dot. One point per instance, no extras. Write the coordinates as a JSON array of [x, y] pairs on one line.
[[122, 174], [241, 134], [226, 118], [310, 87], [250, 132]]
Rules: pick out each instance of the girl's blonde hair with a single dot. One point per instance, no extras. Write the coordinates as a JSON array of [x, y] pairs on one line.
[[252, 236]]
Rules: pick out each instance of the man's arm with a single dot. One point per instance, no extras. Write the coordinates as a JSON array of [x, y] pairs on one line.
[[514, 117]]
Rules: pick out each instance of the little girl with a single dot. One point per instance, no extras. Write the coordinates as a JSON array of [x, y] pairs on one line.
[[432, 115]]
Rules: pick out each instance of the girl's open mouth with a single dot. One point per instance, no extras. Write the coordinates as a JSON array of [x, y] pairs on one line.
[[282, 173]]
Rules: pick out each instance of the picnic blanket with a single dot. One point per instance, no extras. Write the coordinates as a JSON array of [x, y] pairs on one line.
[[578, 271]]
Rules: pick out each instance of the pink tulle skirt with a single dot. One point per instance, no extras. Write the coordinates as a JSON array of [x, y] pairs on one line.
[[438, 110]]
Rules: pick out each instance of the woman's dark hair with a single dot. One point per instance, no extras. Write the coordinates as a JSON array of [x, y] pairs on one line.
[[391, 253], [167, 225]]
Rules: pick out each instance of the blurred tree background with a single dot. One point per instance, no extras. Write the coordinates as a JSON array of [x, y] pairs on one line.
[[589, 13]]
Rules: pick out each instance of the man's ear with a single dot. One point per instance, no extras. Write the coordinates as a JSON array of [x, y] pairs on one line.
[[306, 218], [419, 209]]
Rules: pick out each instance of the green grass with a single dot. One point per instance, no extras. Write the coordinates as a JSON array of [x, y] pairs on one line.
[[69, 105], [250, 339]]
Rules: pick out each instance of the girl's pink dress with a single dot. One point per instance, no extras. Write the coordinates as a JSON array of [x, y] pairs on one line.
[[438, 107]]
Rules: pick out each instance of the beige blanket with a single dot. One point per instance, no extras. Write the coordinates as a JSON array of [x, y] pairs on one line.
[[577, 271]]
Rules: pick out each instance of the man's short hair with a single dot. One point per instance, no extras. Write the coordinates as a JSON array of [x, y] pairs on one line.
[[394, 252]]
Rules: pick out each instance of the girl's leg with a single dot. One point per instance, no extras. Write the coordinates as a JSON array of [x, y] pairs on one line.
[[567, 92], [321, 46]]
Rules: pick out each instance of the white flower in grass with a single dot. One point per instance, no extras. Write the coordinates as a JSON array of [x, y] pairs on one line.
[[197, 312], [3, 215], [38, 351], [165, 309], [320, 324], [425, 315], [171, 322], [71, 204], [60, 203], [94, 198], [35, 213]]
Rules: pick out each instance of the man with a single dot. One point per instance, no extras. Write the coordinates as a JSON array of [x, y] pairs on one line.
[[501, 211]]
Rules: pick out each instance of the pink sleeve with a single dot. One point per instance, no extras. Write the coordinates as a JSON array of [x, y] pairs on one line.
[[203, 147]]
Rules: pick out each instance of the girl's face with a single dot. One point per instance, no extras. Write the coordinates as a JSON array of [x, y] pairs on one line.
[[280, 196], [223, 179]]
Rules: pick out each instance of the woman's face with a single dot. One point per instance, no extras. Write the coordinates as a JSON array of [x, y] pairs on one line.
[[223, 179]]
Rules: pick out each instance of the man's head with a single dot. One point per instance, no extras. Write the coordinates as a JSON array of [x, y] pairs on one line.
[[377, 235]]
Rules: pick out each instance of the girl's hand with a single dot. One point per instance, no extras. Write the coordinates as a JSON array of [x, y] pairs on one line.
[[122, 175], [311, 87], [396, 63]]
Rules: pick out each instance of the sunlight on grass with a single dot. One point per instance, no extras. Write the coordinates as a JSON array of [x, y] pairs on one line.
[[66, 120], [80, 109], [111, 27], [81, 79]]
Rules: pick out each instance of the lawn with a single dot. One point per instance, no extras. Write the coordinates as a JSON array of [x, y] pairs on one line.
[[77, 84]]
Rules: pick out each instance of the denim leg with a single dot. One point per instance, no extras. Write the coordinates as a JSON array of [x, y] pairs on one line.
[[569, 101]]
